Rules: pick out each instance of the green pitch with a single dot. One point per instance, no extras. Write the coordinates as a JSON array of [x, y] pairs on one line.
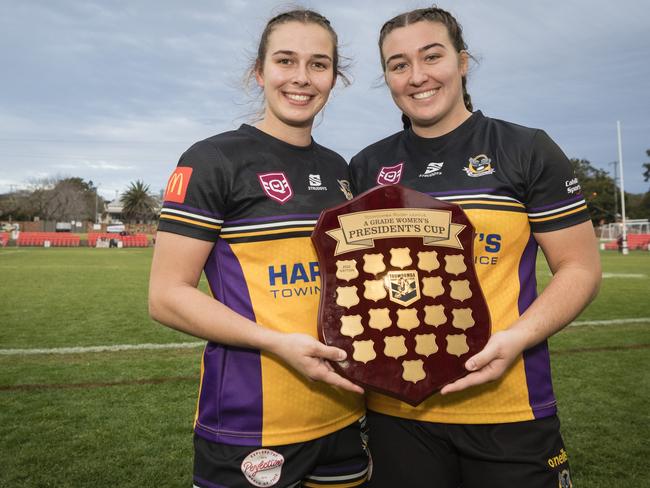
[[124, 418]]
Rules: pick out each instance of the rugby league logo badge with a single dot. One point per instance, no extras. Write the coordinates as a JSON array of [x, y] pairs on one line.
[[276, 186], [404, 287], [389, 175]]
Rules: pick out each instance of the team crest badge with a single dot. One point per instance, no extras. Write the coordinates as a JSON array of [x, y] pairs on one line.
[[404, 287], [344, 186], [276, 186], [481, 165], [390, 175]]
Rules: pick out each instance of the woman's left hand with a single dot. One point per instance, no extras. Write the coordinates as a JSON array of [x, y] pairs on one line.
[[489, 364], [572, 256]]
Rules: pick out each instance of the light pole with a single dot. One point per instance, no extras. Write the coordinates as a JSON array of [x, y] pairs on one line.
[[97, 212], [624, 248]]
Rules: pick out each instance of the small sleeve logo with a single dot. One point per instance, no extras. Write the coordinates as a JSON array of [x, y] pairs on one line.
[[177, 184]]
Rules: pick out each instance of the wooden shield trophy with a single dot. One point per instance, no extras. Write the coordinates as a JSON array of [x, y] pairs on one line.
[[399, 291]]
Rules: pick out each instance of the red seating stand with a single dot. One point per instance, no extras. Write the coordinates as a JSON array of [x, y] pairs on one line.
[[55, 239], [135, 240]]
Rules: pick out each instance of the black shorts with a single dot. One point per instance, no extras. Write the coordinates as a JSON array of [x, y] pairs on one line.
[[337, 460], [417, 454]]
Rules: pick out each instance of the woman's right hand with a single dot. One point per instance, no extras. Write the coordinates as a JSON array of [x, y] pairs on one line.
[[175, 301], [310, 358]]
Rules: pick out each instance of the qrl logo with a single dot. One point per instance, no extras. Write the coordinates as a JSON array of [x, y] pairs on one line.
[[177, 184], [276, 186], [389, 175]]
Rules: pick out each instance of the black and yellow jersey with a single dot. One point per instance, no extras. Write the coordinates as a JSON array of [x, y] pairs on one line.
[[511, 181], [258, 199]]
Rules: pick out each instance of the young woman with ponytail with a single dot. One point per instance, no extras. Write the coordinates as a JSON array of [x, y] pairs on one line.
[[497, 426], [240, 208]]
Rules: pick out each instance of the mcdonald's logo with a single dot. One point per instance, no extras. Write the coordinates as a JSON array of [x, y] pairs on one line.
[[177, 184]]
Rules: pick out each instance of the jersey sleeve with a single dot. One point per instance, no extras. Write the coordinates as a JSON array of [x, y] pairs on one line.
[[196, 194], [554, 197]]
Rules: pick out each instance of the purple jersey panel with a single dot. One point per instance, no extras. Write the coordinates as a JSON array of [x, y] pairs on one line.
[[230, 404], [536, 359]]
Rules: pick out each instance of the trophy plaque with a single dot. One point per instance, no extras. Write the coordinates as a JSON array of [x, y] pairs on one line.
[[399, 292]]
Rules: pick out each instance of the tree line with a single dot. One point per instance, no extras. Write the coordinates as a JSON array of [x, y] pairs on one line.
[[64, 199], [603, 194], [71, 198]]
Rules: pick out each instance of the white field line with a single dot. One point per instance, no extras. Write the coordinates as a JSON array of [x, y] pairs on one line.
[[189, 345], [625, 275], [611, 322], [639, 276], [114, 348]]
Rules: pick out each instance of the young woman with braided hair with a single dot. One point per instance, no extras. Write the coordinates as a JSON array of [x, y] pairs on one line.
[[497, 426]]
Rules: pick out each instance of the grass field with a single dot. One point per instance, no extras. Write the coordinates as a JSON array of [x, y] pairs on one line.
[[123, 418]]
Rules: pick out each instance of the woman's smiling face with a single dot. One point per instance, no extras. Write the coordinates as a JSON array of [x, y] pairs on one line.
[[424, 73], [297, 73]]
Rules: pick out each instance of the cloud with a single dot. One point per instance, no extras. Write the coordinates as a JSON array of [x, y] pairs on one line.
[[98, 165], [118, 90]]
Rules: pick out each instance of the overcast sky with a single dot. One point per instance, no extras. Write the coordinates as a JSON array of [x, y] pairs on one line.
[[114, 91]]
